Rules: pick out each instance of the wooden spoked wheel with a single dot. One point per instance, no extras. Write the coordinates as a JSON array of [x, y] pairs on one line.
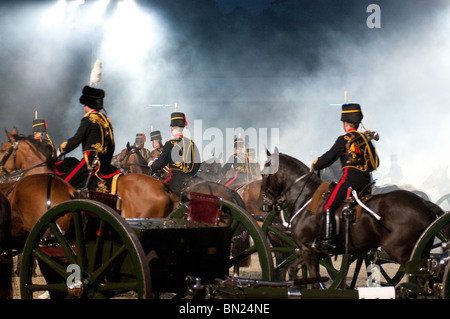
[[238, 218], [99, 257]]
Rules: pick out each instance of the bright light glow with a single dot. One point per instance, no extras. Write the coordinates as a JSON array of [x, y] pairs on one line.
[[55, 15], [63, 12], [130, 34], [73, 12], [94, 15]]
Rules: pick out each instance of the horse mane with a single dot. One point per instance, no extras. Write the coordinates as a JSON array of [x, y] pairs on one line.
[[293, 163], [42, 148]]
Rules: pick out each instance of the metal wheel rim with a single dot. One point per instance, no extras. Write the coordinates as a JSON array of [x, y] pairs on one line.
[[131, 248]]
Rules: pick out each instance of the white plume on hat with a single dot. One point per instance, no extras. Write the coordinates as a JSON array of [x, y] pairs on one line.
[[96, 73]]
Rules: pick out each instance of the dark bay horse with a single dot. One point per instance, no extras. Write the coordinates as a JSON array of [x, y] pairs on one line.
[[211, 169], [404, 215], [142, 195]]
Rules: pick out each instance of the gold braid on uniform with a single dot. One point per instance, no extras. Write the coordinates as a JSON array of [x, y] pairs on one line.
[[102, 120]]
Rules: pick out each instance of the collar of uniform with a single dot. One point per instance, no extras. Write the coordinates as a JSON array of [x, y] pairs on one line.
[[90, 112], [178, 135]]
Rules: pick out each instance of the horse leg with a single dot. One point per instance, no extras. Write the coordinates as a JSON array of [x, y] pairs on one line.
[[294, 267], [304, 230], [311, 261]]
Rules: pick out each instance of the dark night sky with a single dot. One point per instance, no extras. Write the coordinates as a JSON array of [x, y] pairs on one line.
[[279, 65]]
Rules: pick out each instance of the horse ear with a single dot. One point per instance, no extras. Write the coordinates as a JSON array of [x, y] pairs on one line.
[[268, 152], [10, 136], [15, 131]]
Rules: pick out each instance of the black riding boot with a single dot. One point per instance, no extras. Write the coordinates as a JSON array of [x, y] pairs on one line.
[[327, 232]]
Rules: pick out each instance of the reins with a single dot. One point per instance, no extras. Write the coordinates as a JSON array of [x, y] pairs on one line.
[[12, 150], [278, 199]]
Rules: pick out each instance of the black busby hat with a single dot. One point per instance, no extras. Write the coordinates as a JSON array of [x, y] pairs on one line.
[[155, 136], [238, 142], [92, 97], [140, 138], [39, 126], [351, 113], [178, 119]]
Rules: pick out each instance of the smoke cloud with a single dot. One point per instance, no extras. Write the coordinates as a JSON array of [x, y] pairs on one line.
[[281, 66]]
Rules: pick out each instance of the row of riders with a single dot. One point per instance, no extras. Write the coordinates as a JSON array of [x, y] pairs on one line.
[[179, 156], [174, 161], [292, 183]]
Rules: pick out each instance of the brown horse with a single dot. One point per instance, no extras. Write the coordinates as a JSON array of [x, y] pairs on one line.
[[31, 197], [131, 161], [142, 195], [250, 195], [404, 215], [29, 159], [5, 249]]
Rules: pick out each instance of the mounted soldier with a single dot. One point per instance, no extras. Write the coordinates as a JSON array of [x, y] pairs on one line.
[[139, 143], [179, 153], [40, 135], [358, 159], [156, 139], [237, 170], [96, 136]]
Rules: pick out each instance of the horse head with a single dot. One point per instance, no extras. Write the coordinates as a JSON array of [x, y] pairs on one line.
[[131, 160], [285, 178], [20, 153], [271, 183]]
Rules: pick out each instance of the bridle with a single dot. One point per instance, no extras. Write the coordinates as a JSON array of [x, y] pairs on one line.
[[11, 150], [278, 199], [124, 161]]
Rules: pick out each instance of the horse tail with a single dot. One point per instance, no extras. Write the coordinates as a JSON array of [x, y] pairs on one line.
[[434, 209], [5, 249]]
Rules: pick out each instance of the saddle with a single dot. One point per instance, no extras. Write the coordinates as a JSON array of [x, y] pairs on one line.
[[349, 205], [103, 180]]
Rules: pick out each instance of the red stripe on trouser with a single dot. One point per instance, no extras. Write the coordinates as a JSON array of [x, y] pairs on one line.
[[77, 168], [232, 180], [336, 189], [169, 177]]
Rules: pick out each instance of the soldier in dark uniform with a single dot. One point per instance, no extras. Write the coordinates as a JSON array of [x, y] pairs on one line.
[[157, 144], [179, 153], [236, 169], [156, 138], [40, 135], [95, 134], [139, 143], [357, 163]]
